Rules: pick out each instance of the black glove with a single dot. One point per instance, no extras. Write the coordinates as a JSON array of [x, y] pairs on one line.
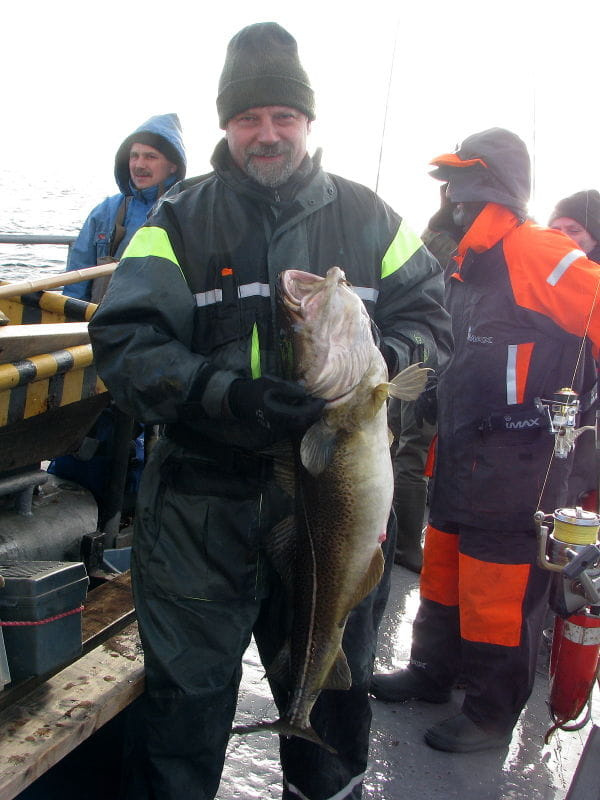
[[281, 406], [426, 405]]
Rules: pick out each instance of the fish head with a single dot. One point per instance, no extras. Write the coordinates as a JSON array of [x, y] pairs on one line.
[[329, 331]]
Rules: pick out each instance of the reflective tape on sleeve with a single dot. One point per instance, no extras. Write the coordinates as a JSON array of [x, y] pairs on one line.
[[404, 245], [148, 242], [563, 265]]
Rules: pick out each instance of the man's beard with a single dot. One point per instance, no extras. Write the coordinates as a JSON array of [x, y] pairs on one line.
[[271, 174]]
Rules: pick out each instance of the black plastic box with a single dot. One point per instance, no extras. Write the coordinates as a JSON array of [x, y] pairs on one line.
[[49, 593]]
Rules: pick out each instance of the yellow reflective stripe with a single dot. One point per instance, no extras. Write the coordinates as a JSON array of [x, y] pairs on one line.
[[255, 353], [148, 242], [403, 246]]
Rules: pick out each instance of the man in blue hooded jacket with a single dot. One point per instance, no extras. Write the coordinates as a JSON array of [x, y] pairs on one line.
[[148, 162]]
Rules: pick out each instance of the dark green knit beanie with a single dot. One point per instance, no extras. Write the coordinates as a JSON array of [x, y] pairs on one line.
[[262, 68]]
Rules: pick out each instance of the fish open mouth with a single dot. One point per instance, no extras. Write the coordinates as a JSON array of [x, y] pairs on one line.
[[302, 291], [330, 331]]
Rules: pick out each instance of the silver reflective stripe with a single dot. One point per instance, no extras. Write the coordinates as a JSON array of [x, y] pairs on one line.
[[579, 635], [563, 265], [247, 290], [254, 290], [366, 294], [511, 375], [209, 298], [337, 796]]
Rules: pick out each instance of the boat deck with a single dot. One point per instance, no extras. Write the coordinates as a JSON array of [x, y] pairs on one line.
[[402, 766], [57, 716]]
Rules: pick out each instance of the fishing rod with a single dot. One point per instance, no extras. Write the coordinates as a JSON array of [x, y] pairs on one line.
[[387, 103]]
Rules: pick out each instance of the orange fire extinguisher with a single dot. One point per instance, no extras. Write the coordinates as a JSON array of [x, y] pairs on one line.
[[573, 667]]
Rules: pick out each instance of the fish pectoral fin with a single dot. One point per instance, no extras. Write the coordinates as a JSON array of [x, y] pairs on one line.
[[370, 580], [280, 668], [408, 384], [339, 675], [316, 447], [379, 395], [280, 546], [284, 472]]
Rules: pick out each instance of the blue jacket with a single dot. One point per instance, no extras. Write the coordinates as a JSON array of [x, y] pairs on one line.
[[94, 240]]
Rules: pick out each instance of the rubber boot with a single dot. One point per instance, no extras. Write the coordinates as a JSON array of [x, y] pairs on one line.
[[407, 684], [409, 505], [460, 735]]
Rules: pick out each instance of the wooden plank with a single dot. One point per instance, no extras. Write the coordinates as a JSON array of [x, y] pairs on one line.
[[24, 341], [107, 607], [49, 723]]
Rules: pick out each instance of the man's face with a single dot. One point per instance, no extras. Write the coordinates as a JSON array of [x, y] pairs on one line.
[[576, 232], [268, 142], [148, 166], [464, 214]]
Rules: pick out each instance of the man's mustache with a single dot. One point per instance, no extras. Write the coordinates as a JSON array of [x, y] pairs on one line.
[[269, 150]]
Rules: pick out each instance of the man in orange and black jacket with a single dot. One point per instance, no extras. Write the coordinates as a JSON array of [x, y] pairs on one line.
[[520, 298]]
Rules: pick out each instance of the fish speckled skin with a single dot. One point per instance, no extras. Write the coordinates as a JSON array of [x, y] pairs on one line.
[[343, 484]]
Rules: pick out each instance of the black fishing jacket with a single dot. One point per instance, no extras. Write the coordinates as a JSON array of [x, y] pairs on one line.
[[191, 306], [520, 301]]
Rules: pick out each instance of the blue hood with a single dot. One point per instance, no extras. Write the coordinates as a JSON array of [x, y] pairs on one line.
[[170, 143]]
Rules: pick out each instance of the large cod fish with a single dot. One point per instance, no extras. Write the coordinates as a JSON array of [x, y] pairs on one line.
[[330, 554]]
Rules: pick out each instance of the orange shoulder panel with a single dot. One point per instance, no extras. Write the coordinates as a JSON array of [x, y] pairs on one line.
[[550, 275]]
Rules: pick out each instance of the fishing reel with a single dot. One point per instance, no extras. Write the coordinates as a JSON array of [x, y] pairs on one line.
[[571, 549], [561, 415]]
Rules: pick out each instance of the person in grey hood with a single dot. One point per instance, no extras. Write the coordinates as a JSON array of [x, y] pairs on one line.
[[522, 299], [147, 163], [186, 337]]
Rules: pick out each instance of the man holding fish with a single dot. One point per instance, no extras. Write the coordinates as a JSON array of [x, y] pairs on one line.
[[244, 317]]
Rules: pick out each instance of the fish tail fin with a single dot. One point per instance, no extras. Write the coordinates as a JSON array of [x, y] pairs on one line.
[[284, 728], [408, 384]]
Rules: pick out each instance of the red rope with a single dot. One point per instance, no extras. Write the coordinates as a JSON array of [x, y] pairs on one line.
[[4, 624]]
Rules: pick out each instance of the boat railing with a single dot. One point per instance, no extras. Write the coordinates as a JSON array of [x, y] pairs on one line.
[[31, 238]]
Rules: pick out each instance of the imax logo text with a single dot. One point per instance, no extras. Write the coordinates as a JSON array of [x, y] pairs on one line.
[[521, 424]]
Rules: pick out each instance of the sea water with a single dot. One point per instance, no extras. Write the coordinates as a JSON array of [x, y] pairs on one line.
[[42, 203]]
